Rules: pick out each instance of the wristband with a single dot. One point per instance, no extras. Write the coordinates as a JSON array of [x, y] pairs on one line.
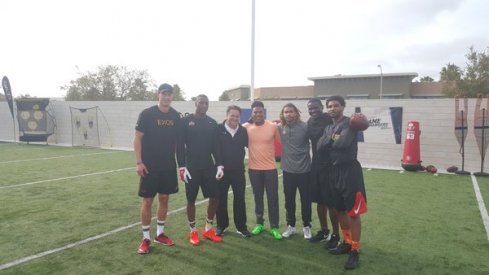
[[139, 162]]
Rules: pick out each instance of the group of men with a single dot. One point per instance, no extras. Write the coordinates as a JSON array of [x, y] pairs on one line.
[[211, 156]]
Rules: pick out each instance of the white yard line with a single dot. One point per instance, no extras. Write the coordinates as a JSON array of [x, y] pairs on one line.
[[482, 206], [57, 157], [96, 237], [71, 245], [66, 178]]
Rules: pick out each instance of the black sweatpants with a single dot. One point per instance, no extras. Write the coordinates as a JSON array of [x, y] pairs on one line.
[[235, 179], [292, 182]]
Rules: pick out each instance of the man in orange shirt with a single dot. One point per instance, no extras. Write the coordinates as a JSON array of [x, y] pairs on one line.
[[262, 167]]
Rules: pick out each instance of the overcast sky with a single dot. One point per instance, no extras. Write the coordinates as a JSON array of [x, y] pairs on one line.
[[205, 46]]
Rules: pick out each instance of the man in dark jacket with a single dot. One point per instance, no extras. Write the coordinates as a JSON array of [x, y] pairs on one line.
[[233, 138], [346, 185]]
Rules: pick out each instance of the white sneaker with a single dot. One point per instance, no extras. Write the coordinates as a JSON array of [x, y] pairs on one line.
[[290, 230], [307, 232]]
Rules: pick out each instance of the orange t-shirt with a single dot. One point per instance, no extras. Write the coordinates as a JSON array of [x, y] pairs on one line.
[[261, 145]]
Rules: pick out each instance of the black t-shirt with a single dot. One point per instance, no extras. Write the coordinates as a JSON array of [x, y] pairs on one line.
[[159, 139], [198, 143], [315, 130]]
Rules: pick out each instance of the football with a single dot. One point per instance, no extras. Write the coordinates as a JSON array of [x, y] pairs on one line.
[[452, 169], [359, 122], [431, 169]]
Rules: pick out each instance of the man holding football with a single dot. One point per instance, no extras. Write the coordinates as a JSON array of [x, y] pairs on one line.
[[346, 184]]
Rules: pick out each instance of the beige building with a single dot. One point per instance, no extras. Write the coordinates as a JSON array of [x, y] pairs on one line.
[[427, 90], [365, 86], [284, 93], [239, 93]]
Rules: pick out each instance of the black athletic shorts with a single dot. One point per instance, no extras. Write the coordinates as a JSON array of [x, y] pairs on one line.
[[348, 188], [204, 178], [163, 182], [318, 186], [323, 189]]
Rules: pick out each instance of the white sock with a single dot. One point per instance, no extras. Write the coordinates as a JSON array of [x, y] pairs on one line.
[[192, 226], [160, 227], [208, 224], [146, 232]]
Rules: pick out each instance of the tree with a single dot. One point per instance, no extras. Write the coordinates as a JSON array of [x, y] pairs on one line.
[[476, 78], [112, 83], [178, 94], [450, 75], [426, 79], [224, 96], [472, 80]]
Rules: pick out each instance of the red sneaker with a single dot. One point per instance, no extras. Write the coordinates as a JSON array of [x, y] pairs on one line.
[[211, 235], [194, 237], [144, 246], [163, 239]]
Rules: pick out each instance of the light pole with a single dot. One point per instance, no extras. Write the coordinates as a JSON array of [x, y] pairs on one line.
[[252, 88], [381, 81]]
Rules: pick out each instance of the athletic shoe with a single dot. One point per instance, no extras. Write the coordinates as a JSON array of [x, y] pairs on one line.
[[343, 248], [333, 242], [258, 229], [307, 232], [353, 260], [276, 233], [163, 239], [194, 237], [290, 230], [211, 235], [220, 231], [245, 233], [321, 236], [144, 246]]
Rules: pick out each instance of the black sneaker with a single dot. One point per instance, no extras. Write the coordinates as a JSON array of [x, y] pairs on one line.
[[353, 260], [244, 233], [220, 231], [343, 248], [333, 242], [321, 236]]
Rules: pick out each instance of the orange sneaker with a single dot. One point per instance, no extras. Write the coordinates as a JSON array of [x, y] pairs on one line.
[[211, 235], [194, 237], [144, 246], [163, 239]]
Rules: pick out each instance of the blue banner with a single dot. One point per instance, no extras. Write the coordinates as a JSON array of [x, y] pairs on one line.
[[8, 94]]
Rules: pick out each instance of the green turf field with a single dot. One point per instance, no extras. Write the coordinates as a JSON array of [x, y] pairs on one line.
[[53, 197]]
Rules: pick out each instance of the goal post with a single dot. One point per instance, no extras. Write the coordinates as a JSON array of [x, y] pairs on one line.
[[89, 128]]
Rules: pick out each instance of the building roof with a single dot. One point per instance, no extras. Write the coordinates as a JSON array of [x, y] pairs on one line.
[[339, 76], [238, 87]]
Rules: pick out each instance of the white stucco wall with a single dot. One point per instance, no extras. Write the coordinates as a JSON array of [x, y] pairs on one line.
[[436, 117]]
